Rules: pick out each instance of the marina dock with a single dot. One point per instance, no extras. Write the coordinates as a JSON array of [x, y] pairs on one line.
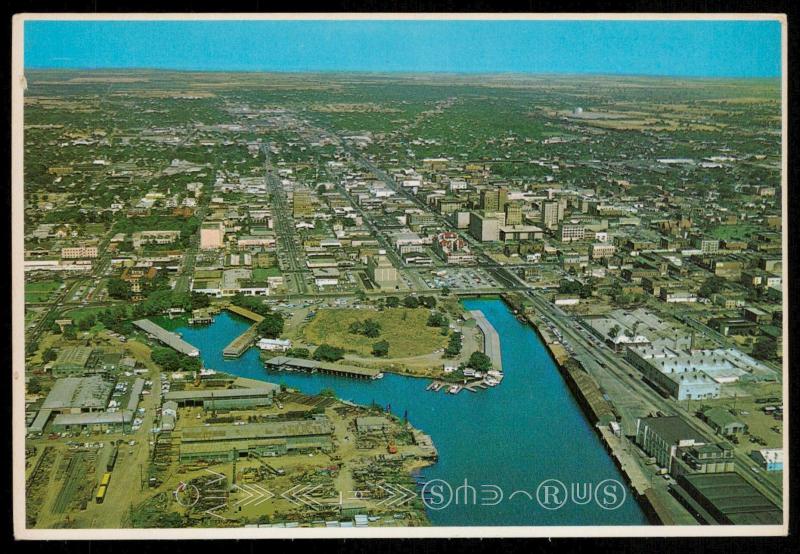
[[240, 344], [313, 366], [491, 340], [173, 340]]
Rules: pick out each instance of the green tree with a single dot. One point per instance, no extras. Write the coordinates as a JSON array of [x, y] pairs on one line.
[[380, 349], [453, 346], [369, 328], [298, 353], [438, 320], [711, 286], [34, 387], [765, 348], [411, 302], [479, 361], [119, 289], [392, 302], [272, 326], [49, 355], [328, 353]]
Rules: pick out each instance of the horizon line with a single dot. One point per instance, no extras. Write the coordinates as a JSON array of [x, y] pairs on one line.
[[411, 72]]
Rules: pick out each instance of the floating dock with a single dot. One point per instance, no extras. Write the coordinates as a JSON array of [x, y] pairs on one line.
[[173, 340], [313, 366], [491, 340]]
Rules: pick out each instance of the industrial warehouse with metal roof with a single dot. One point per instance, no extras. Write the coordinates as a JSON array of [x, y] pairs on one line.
[[226, 442], [79, 394], [727, 499]]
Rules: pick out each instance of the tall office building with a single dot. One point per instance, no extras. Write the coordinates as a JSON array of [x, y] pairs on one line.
[[552, 214], [513, 213], [494, 200]]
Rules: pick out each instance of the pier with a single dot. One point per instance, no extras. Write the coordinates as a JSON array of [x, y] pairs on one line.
[[313, 366], [240, 344], [172, 340], [491, 340]]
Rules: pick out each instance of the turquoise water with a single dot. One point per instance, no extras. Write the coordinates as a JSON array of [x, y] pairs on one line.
[[507, 440]]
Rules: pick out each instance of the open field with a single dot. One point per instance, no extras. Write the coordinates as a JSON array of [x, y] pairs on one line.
[[41, 291], [405, 329], [738, 232]]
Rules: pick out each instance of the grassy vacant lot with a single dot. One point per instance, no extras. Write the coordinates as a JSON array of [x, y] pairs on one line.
[[404, 329], [733, 232], [41, 291]]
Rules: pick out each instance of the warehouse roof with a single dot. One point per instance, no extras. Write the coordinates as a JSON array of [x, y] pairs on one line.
[[734, 498], [93, 418], [270, 430], [209, 394], [721, 417], [73, 356], [672, 429], [79, 392]]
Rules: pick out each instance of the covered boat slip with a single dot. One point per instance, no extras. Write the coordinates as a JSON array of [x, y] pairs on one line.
[[311, 366], [173, 340]]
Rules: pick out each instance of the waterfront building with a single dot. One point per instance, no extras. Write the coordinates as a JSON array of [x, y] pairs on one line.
[[274, 345], [228, 442], [213, 399], [660, 437], [370, 424], [726, 499]]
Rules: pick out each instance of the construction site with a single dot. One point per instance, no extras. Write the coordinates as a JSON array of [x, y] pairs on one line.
[[223, 451]]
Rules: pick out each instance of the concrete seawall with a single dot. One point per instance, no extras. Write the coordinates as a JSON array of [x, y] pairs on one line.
[[491, 340]]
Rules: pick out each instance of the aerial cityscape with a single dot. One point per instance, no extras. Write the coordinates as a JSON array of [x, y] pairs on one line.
[[326, 299]]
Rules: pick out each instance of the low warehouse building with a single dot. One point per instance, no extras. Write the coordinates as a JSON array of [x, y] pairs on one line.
[[726, 499], [73, 395], [227, 442], [368, 424], [225, 399], [96, 421]]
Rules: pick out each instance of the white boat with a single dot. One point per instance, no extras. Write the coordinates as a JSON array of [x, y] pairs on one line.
[[454, 389], [378, 376]]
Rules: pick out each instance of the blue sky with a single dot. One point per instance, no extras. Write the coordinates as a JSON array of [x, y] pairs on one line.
[[678, 48]]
